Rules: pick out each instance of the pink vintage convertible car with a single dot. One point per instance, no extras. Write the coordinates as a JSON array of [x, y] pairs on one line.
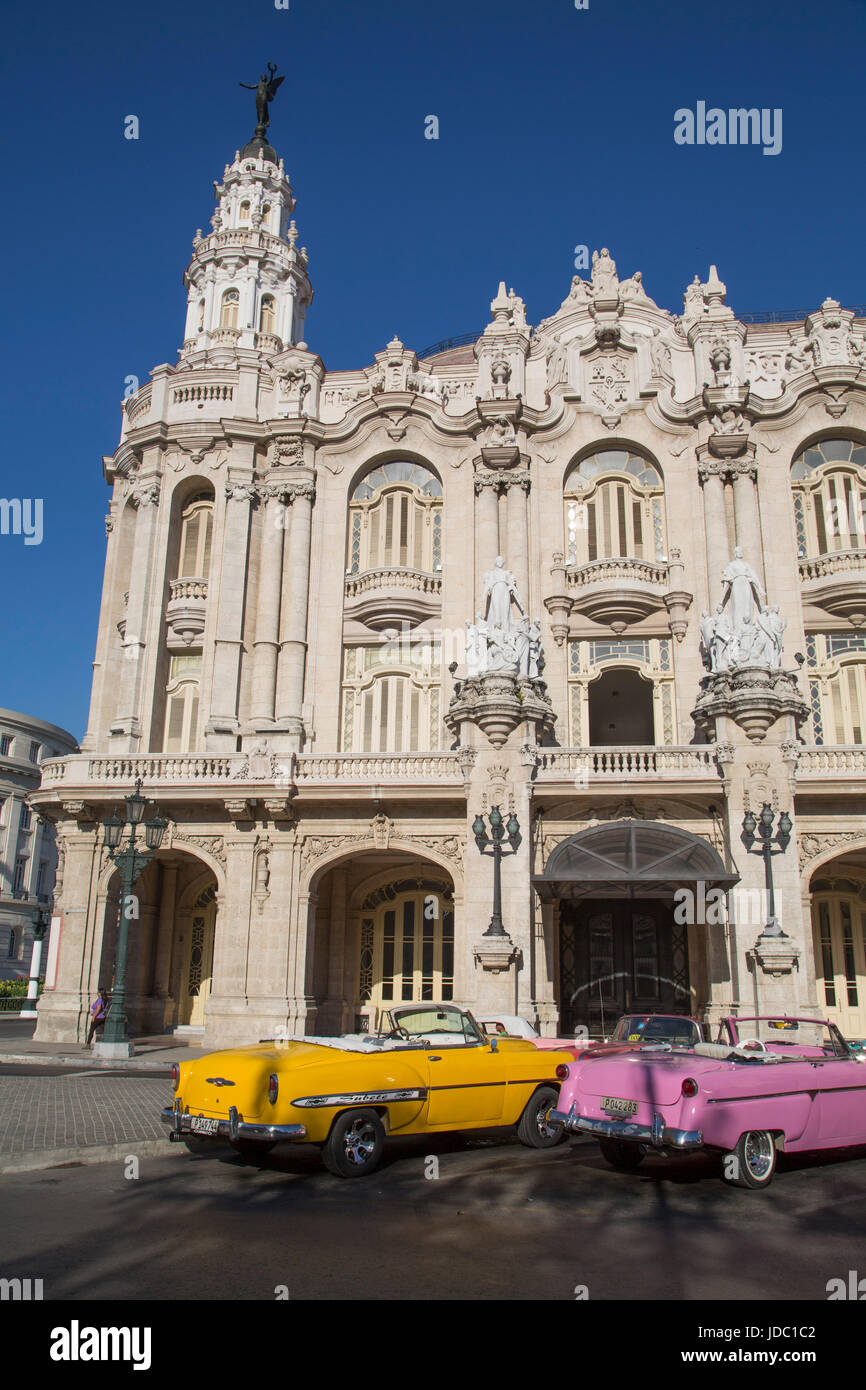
[[768, 1085]]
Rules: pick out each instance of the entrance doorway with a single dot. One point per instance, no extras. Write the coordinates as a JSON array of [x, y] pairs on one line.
[[616, 956], [198, 969]]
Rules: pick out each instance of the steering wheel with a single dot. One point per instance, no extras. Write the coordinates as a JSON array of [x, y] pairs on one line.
[[398, 1031], [753, 1044]]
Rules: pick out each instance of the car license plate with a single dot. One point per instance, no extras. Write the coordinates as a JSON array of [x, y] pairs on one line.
[[201, 1124], [615, 1106]]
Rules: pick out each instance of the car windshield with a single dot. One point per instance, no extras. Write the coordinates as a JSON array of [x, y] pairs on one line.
[[645, 1028], [812, 1037], [426, 1021]]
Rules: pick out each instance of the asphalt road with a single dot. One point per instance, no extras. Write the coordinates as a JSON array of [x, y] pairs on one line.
[[500, 1222], [18, 1028]]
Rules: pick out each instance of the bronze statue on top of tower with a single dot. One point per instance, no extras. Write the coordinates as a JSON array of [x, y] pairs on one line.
[[265, 90]]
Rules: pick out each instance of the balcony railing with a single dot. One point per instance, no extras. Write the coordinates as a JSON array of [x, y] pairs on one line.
[[393, 577], [836, 562], [695, 760], [832, 758]]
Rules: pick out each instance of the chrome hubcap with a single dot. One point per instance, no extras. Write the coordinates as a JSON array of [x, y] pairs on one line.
[[543, 1125], [758, 1151], [360, 1141]]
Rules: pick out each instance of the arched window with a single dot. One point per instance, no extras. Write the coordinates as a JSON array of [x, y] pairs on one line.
[[614, 507], [407, 944], [837, 686], [245, 211], [195, 537], [621, 693], [395, 519], [229, 311], [181, 705], [266, 216], [839, 928], [829, 482], [268, 314], [391, 697]]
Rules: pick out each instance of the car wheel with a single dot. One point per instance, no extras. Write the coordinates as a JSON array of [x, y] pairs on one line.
[[534, 1129], [622, 1155], [354, 1146], [252, 1148], [753, 1162]]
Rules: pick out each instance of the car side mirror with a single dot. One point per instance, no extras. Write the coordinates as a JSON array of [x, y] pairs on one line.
[[494, 1044]]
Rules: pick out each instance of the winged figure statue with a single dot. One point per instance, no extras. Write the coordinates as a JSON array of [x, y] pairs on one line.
[[265, 90]]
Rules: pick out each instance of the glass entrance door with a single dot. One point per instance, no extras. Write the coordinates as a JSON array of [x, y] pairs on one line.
[[620, 956]]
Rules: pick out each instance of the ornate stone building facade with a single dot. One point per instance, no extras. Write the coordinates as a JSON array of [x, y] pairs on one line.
[[308, 652], [28, 851]]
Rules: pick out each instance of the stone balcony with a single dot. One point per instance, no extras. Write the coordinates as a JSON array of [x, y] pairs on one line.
[[186, 613], [832, 767], [385, 598], [617, 591], [836, 582], [676, 767]]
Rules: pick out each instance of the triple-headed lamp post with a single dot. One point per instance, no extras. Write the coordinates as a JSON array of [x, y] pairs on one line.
[[130, 859], [765, 846], [498, 831]]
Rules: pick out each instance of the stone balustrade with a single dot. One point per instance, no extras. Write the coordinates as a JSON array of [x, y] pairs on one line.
[[206, 390], [393, 577], [832, 759], [617, 568], [407, 768], [697, 760], [138, 405], [187, 588], [836, 562]]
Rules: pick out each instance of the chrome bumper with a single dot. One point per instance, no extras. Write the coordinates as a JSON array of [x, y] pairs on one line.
[[232, 1128], [658, 1135]]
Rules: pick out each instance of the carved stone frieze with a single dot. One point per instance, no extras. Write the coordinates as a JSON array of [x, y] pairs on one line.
[[815, 846]]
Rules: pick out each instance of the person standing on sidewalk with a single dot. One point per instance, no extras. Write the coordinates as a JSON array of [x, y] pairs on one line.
[[98, 1010]]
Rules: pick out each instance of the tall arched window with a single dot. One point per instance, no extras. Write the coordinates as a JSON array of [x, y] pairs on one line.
[[268, 314], [621, 692], [181, 705], [836, 662], [614, 507], [395, 519], [391, 696], [407, 944], [266, 216], [245, 211], [195, 537], [229, 310], [829, 482]]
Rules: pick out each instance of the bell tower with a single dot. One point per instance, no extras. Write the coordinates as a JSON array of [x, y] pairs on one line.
[[247, 283]]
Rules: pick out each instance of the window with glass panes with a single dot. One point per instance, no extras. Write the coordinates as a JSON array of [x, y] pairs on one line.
[[395, 520], [614, 507], [182, 702], [836, 663], [196, 533], [829, 482], [407, 944], [391, 697]]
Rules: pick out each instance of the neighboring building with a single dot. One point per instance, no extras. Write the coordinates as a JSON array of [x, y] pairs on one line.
[[28, 848], [293, 557]]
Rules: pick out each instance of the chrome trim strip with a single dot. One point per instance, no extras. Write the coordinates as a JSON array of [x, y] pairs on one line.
[[362, 1098], [233, 1128]]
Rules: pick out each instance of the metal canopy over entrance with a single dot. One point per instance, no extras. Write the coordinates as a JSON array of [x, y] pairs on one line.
[[630, 859]]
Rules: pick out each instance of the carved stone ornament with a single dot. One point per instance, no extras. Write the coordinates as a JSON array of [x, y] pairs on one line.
[[318, 846], [241, 492], [753, 696], [776, 955], [210, 844], [145, 494], [495, 953], [816, 846]]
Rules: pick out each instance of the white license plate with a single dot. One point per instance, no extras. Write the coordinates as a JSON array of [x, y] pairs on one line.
[[615, 1106], [201, 1124]]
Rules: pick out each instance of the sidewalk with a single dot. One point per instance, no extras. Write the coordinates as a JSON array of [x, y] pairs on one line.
[[157, 1052]]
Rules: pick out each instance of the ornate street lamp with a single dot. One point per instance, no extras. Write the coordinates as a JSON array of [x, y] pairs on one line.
[[40, 930], [765, 846], [498, 832], [130, 860]]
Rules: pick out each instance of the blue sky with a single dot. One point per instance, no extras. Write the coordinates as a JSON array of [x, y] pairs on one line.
[[556, 129]]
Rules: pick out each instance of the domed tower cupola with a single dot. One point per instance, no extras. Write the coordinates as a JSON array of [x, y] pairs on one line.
[[247, 282]]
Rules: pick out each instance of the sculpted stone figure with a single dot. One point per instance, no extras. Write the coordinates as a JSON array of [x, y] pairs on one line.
[[604, 279], [500, 589], [660, 354], [742, 590], [498, 642]]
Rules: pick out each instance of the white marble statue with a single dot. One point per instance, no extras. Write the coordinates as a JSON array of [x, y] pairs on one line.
[[497, 640], [742, 631], [605, 284], [742, 590]]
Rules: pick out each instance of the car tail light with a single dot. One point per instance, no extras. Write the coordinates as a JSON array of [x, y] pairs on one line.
[[562, 1071], [273, 1088], [175, 1075], [690, 1087]]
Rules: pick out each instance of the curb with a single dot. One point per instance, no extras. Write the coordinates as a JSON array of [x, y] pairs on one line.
[[93, 1153], [85, 1063]]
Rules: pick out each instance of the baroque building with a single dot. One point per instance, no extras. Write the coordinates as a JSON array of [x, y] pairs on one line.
[[28, 849], [605, 575]]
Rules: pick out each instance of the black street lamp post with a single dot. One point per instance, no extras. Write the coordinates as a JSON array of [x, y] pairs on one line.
[[41, 924], [765, 847], [130, 860], [497, 835]]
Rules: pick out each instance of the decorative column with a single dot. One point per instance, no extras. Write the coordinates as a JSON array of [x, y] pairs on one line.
[[222, 727], [486, 521], [161, 988], [746, 518], [517, 487], [711, 474], [267, 643], [126, 726], [293, 616]]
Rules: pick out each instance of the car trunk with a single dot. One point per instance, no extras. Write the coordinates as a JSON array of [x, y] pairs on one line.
[[240, 1078], [657, 1078]]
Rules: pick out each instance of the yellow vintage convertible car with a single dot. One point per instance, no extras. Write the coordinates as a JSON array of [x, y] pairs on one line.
[[429, 1069]]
